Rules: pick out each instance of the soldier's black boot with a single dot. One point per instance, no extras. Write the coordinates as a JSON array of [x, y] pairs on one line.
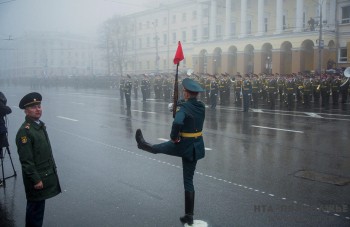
[[142, 144], [189, 205]]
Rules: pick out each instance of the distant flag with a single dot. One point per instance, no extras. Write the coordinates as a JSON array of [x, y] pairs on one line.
[[179, 56]]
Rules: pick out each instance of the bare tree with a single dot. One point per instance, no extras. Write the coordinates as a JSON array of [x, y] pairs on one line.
[[115, 38]]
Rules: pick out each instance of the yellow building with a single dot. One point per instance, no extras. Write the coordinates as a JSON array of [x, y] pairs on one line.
[[218, 36]]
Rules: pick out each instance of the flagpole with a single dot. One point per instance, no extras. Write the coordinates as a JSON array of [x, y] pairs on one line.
[[176, 89], [179, 56]]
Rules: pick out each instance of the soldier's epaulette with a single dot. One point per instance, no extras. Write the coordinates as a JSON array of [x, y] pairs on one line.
[[27, 126]]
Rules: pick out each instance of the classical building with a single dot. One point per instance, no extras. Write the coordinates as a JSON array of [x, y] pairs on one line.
[[49, 54], [218, 36]]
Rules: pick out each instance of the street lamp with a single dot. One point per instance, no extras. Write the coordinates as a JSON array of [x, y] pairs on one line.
[[320, 41]]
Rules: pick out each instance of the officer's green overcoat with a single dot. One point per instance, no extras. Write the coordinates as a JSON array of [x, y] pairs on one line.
[[37, 161]]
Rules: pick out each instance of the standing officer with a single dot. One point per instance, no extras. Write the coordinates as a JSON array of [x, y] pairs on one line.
[[186, 141], [246, 91], [325, 87], [136, 87], [144, 88], [38, 165], [335, 84], [238, 87], [256, 87], [127, 91], [214, 90], [121, 87]]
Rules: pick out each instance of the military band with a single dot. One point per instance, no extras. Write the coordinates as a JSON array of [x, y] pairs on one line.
[[255, 91]]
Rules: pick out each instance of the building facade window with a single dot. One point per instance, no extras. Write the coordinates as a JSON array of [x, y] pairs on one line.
[[174, 37], [147, 42], [205, 33], [184, 16], [343, 55], [345, 14], [194, 35], [184, 36], [265, 24]]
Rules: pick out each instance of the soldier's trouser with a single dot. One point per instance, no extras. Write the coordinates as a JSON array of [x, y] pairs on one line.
[[245, 101], [188, 168], [128, 100], [35, 213]]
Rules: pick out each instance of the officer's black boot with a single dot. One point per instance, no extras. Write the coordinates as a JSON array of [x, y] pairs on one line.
[[189, 205], [141, 143]]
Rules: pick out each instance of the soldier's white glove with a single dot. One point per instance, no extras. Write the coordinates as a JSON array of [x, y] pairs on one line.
[[170, 107]]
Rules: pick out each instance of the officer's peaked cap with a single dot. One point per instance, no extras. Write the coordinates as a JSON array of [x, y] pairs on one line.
[[30, 99], [191, 85]]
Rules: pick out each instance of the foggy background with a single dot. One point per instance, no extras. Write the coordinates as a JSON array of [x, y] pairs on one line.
[[78, 16]]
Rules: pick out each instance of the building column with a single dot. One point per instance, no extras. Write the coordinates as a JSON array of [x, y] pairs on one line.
[[228, 19], [261, 19], [243, 19], [212, 28], [299, 16], [200, 22], [279, 16]]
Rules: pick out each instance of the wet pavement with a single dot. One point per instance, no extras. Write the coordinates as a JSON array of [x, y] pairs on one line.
[[249, 176]]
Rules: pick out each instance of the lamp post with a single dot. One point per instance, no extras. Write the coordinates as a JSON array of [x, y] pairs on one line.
[[320, 41]]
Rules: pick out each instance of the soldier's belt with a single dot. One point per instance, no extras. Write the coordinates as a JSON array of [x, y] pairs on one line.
[[190, 134]]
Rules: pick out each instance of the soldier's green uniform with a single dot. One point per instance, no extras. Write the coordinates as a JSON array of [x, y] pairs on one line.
[[186, 141], [38, 165]]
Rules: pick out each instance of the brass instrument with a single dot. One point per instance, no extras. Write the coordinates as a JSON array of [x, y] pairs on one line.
[[346, 74]]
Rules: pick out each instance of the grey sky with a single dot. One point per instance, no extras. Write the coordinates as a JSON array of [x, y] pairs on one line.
[[75, 16]]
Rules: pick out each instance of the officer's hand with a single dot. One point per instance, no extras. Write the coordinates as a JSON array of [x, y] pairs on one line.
[[39, 185]]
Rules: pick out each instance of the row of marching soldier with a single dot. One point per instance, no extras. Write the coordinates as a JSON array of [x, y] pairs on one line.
[[251, 90]]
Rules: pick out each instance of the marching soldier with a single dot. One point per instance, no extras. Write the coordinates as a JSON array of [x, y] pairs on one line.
[[186, 141], [246, 92], [136, 87], [256, 87], [214, 90], [335, 83], [121, 87], [289, 91], [344, 90], [158, 87], [127, 91], [316, 90], [144, 87], [307, 91], [272, 91], [325, 88], [238, 87], [207, 89]]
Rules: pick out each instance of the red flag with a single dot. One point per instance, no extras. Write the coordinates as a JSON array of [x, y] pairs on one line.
[[179, 56]]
